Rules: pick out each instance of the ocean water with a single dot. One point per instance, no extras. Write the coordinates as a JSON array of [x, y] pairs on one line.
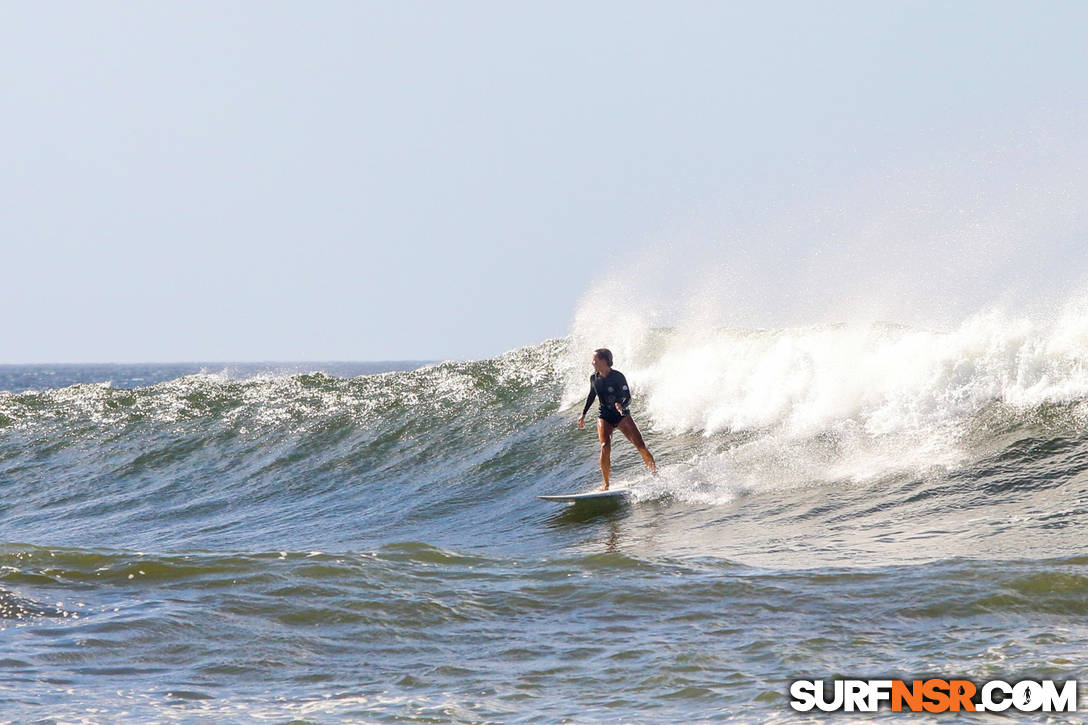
[[327, 544]]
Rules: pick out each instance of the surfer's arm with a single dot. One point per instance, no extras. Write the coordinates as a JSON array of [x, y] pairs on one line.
[[589, 399], [589, 402], [625, 396]]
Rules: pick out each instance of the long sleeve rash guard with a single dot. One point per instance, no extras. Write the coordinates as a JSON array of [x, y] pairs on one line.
[[610, 389]]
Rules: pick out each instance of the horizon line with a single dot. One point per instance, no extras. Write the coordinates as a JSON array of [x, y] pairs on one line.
[[230, 362]]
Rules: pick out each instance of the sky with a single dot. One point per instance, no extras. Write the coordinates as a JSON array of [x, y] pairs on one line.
[[233, 181]]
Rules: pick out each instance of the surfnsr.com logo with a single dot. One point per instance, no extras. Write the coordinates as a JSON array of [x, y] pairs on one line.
[[934, 695]]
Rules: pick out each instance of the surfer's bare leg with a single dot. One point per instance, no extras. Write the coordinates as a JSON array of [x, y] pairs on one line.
[[628, 428], [604, 433]]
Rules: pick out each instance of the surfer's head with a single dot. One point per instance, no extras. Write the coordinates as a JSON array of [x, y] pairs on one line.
[[602, 357]]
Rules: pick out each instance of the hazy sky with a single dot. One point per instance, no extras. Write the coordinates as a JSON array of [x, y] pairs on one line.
[[400, 180]]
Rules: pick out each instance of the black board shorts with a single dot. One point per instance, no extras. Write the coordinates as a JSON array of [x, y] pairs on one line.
[[611, 415]]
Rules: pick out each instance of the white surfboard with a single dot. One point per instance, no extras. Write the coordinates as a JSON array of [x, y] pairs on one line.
[[614, 494]]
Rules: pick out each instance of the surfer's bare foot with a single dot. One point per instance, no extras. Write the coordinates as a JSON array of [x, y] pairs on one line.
[[603, 488]]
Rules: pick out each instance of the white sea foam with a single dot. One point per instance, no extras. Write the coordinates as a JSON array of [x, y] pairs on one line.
[[842, 401]]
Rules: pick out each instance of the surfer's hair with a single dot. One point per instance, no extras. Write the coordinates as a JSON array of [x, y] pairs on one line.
[[605, 354]]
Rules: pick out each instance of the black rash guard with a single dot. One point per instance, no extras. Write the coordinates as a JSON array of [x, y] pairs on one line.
[[610, 389]]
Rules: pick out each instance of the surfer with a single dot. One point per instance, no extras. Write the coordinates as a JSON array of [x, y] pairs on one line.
[[610, 387]]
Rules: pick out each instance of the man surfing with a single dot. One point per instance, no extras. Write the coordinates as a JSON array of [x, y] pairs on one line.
[[610, 387]]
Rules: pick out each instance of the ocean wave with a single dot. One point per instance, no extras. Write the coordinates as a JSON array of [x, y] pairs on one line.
[[732, 415]]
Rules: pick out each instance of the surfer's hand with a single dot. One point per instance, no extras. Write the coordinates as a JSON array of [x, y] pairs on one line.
[[619, 408], [581, 421]]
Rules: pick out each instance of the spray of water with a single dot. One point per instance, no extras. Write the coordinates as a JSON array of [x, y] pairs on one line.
[[861, 338]]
